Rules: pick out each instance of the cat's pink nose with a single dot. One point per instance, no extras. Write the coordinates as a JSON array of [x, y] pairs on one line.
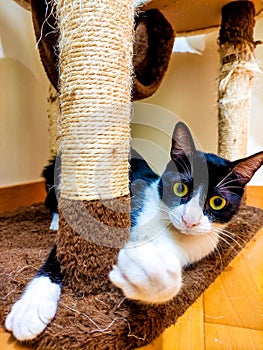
[[190, 222]]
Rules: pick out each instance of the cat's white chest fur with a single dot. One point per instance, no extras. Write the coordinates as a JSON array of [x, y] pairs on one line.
[[158, 223], [149, 267]]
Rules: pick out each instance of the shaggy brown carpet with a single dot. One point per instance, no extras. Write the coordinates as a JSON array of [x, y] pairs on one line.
[[106, 320]]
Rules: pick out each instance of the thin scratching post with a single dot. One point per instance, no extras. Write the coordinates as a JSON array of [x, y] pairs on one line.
[[238, 66]]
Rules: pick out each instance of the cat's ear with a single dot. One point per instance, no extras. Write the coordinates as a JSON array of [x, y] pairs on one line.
[[182, 141], [245, 168]]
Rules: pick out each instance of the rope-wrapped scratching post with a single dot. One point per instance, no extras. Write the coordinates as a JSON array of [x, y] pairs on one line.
[[153, 44], [238, 66], [95, 88]]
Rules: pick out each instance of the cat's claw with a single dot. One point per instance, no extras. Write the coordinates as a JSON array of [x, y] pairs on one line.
[[148, 272], [31, 314]]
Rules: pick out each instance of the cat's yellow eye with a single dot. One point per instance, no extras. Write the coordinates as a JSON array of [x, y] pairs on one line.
[[217, 203], [180, 189]]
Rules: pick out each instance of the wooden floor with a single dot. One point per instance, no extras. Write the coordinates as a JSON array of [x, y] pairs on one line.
[[228, 316], [12, 197]]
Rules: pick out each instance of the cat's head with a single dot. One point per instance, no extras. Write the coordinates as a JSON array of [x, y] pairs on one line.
[[201, 190]]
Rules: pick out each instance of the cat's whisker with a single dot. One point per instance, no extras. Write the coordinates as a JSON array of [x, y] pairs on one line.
[[220, 253], [228, 191], [230, 235], [51, 188], [223, 231], [224, 179], [224, 239], [216, 248], [186, 168], [226, 186], [225, 182], [164, 217], [141, 182], [164, 211]]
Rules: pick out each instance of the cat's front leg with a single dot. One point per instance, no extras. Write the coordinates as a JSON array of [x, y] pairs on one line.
[[37, 306], [54, 225], [147, 272]]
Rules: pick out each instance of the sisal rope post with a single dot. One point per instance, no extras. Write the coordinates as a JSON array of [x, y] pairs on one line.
[[238, 67], [96, 39]]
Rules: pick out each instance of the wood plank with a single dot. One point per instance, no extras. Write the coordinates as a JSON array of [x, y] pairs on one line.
[[220, 337], [236, 297], [12, 197], [255, 196], [186, 334], [9, 343]]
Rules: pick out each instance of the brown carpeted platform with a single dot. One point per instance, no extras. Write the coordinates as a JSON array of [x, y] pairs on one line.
[[107, 320]]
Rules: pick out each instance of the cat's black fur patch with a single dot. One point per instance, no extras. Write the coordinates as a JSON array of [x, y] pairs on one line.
[[141, 176], [51, 175], [51, 268]]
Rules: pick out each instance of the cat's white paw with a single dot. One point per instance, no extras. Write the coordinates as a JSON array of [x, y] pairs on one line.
[[54, 225], [148, 272], [31, 314]]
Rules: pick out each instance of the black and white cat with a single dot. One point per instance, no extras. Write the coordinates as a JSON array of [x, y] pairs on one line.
[[176, 219]]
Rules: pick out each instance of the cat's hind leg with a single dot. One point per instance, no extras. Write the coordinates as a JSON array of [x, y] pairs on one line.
[[51, 173], [37, 306]]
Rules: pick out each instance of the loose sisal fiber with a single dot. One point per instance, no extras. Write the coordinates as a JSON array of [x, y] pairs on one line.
[[53, 112], [95, 85], [238, 67]]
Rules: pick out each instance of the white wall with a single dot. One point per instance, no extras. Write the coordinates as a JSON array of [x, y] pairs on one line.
[[189, 90], [23, 91]]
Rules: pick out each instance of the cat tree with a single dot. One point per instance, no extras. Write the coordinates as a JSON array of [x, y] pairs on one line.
[[152, 49], [95, 93]]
